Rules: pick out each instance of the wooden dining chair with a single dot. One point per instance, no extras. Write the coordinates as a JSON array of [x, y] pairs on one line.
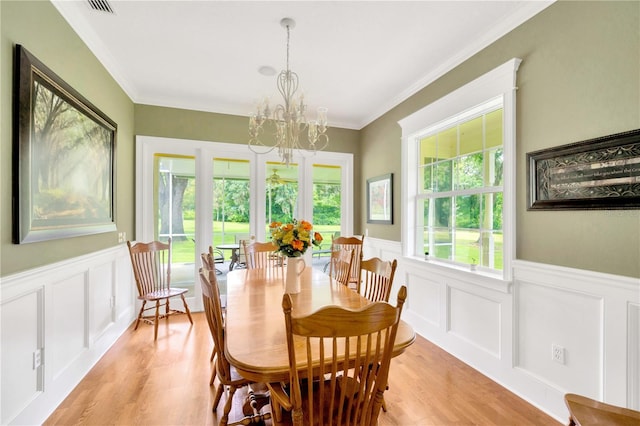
[[262, 256], [209, 260], [215, 257], [340, 266], [208, 265], [227, 375], [241, 240], [585, 411], [376, 279], [151, 264], [351, 243], [339, 363]]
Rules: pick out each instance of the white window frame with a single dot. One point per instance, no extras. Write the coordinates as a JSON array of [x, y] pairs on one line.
[[204, 152], [499, 82]]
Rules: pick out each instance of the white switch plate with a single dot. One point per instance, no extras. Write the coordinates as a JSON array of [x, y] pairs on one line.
[[557, 353], [37, 358]]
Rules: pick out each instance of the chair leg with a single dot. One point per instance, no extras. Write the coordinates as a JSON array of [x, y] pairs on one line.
[[297, 417], [276, 410], [384, 404], [216, 400], [155, 323], [186, 308], [214, 371], [144, 302], [227, 406], [213, 376]]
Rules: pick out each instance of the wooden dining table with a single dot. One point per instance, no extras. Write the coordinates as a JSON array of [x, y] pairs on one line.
[[255, 332]]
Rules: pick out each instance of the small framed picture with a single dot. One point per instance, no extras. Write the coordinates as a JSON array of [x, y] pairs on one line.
[[380, 199]]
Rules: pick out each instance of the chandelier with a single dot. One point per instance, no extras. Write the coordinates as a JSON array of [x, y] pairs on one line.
[[287, 121]]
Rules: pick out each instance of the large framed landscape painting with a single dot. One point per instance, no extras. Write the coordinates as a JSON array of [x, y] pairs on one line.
[[63, 158], [600, 173]]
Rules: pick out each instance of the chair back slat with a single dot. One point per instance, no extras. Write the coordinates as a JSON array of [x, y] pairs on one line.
[[351, 243], [376, 279], [207, 301], [345, 362], [207, 261], [211, 258], [151, 264], [262, 256], [241, 240], [340, 266], [213, 311]]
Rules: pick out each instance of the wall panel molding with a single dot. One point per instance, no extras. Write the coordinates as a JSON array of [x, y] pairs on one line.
[[465, 308], [73, 312], [633, 360], [610, 311], [595, 316]]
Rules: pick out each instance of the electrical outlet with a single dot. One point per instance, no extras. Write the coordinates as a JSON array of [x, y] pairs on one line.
[[37, 358], [122, 237], [557, 353]]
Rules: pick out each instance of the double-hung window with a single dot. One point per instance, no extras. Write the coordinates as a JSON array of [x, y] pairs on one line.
[[459, 176], [460, 195]]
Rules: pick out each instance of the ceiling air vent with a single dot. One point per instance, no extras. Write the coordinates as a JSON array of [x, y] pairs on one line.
[[100, 5]]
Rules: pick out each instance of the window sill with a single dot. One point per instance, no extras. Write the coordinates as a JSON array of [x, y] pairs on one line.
[[482, 277]]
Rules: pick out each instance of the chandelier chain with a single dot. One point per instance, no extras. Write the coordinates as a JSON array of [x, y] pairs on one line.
[[288, 37]]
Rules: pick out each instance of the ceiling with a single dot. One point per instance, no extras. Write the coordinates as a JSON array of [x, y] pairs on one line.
[[357, 58]]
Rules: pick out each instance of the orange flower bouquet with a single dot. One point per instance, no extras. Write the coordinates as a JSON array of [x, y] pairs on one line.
[[293, 239]]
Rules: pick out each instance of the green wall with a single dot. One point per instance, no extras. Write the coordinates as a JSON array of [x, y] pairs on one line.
[[205, 126], [38, 26], [579, 79]]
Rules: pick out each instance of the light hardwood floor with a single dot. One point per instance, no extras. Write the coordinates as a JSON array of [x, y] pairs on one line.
[[139, 382]]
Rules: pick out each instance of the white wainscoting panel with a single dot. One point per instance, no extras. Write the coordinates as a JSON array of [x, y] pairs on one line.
[[591, 312], [633, 386], [102, 299], [570, 319], [506, 330], [502, 329], [22, 327], [475, 319], [68, 333], [426, 297], [125, 290], [73, 311]]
